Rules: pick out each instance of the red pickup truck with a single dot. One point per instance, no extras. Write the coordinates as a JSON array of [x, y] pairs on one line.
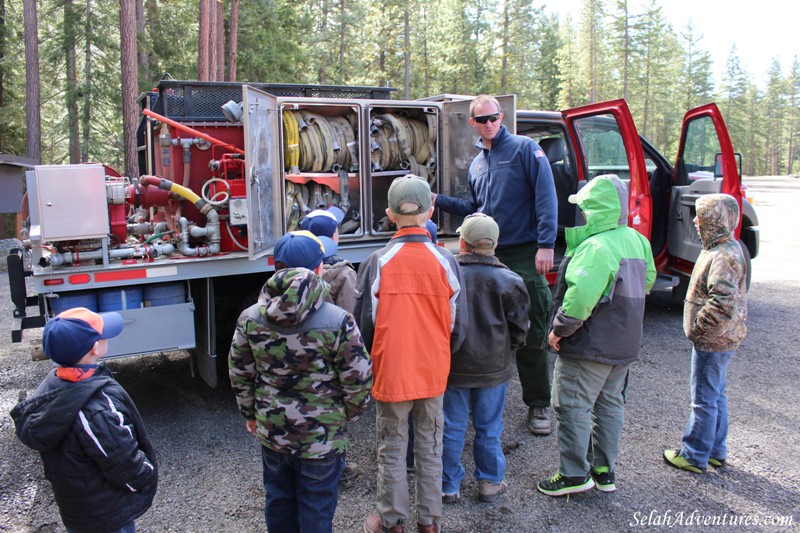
[[602, 139]]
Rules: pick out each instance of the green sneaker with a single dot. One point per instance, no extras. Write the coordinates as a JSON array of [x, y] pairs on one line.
[[604, 480], [673, 458], [718, 463], [560, 485]]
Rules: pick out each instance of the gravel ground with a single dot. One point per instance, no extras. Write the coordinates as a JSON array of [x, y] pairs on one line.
[[210, 471]]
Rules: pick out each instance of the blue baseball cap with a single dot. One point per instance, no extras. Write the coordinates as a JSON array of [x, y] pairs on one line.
[[430, 225], [330, 246], [299, 249], [72, 334], [323, 222]]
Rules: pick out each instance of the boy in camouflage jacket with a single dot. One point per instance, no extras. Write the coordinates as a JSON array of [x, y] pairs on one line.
[[300, 372], [714, 317]]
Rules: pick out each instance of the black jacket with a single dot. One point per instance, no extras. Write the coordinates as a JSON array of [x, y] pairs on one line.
[[498, 304], [94, 447]]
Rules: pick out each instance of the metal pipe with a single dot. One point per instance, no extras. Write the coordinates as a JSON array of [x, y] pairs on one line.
[[192, 131], [152, 250]]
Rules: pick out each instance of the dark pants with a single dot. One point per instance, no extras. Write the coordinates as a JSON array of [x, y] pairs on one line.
[[533, 363], [301, 494]]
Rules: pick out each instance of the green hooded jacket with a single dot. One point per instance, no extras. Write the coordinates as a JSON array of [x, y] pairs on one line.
[[598, 306]]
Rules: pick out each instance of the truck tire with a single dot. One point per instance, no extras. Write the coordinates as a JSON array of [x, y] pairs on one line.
[[679, 291], [747, 262]]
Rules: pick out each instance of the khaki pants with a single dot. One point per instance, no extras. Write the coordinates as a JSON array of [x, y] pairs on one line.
[[392, 422], [589, 399]]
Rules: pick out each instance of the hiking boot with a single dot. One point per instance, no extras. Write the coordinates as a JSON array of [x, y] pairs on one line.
[[451, 498], [718, 463], [674, 458], [373, 525], [603, 479], [430, 528], [489, 491], [349, 473], [539, 420], [560, 485]]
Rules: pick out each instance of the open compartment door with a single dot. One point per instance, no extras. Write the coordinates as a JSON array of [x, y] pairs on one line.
[[607, 142], [459, 138], [706, 164], [262, 170]]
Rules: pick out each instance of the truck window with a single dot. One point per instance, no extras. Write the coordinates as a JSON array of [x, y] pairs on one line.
[[603, 147], [701, 148]]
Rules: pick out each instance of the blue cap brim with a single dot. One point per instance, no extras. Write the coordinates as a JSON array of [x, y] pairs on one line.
[[330, 246], [112, 325]]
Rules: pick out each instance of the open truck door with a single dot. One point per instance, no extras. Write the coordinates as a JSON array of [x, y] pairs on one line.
[[706, 164], [607, 142], [264, 191]]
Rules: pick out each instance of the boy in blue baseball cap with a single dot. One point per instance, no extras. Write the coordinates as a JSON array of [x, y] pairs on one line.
[[93, 443]]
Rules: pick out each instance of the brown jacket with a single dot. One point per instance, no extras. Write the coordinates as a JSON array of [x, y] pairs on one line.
[[715, 310]]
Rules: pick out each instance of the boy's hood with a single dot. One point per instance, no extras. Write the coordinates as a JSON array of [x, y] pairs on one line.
[[291, 295], [43, 421], [718, 215], [604, 202]]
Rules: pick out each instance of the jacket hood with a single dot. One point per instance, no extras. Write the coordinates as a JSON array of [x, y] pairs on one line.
[[43, 421], [718, 216], [604, 202], [291, 295]]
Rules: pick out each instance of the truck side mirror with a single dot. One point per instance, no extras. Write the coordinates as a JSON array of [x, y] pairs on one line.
[[718, 165]]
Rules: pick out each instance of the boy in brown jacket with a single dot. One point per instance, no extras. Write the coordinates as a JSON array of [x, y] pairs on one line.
[[714, 317]]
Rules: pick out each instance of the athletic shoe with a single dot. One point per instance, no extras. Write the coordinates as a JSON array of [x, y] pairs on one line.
[[713, 461], [560, 485], [673, 458], [604, 479]]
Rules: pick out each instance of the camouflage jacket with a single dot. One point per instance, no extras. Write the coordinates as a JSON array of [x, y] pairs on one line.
[[299, 367], [715, 310]]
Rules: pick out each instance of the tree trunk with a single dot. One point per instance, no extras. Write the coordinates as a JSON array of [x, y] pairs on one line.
[[73, 124], [504, 47], [33, 117], [141, 39], [406, 54], [203, 64], [2, 59], [87, 88], [130, 84], [212, 40], [342, 31], [233, 37], [219, 52]]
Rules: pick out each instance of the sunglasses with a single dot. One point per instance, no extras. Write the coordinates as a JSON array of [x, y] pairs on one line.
[[483, 119]]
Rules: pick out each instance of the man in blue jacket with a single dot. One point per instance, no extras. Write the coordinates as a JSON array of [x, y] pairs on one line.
[[511, 181]]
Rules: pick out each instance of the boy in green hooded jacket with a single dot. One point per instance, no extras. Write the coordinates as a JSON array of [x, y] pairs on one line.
[[596, 329]]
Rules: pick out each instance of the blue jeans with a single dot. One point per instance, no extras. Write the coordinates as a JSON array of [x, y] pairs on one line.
[[130, 527], [706, 431], [301, 494], [486, 406]]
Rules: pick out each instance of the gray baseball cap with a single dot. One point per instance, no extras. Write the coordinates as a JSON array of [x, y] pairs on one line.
[[410, 188]]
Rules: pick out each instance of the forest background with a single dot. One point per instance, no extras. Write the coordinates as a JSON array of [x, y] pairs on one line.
[[91, 60]]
